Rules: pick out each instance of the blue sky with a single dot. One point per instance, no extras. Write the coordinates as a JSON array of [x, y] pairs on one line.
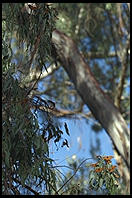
[[79, 140], [80, 133]]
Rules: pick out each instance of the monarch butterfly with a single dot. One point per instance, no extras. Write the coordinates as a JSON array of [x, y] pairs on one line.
[[94, 165], [32, 6], [99, 170], [107, 158], [112, 169]]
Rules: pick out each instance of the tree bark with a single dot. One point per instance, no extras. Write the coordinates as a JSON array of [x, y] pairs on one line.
[[93, 96]]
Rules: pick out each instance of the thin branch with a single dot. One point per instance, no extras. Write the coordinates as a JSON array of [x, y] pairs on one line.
[[36, 44], [123, 55], [128, 4], [80, 14], [95, 55], [65, 113], [121, 26], [56, 192], [35, 48], [34, 84], [26, 186], [114, 37], [120, 86], [73, 174], [61, 166], [35, 74], [14, 189]]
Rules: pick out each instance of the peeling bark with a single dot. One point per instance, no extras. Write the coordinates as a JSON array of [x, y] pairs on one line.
[[93, 96]]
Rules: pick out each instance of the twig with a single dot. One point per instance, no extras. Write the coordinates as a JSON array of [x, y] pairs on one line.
[[26, 186], [36, 44], [56, 192], [35, 48], [120, 86], [34, 84], [62, 166], [73, 174]]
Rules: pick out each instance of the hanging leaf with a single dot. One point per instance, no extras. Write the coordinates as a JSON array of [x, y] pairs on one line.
[[66, 128], [7, 155], [65, 143]]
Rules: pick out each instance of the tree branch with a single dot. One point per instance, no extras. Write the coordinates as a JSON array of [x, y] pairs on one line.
[[34, 74], [121, 83], [26, 186], [123, 55], [99, 55], [68, 114], [63, 112], [73, 174]]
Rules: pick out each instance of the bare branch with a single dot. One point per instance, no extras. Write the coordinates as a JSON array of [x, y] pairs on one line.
[[69, 114], [34, 73], [120, 86], [65, 113], [128, 4], [26, 186], [93, 55], [73, 174]]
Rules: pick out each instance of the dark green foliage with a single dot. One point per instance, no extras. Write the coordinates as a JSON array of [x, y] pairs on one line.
[[25, 149]]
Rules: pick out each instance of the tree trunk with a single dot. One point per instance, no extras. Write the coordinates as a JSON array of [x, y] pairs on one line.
[[92, 95]]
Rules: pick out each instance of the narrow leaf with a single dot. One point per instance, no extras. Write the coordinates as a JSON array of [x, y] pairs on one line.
[[66, 128]]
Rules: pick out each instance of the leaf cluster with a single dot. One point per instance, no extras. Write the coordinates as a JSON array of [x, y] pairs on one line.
[[25, 150], [105, 176], [31, 28]]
